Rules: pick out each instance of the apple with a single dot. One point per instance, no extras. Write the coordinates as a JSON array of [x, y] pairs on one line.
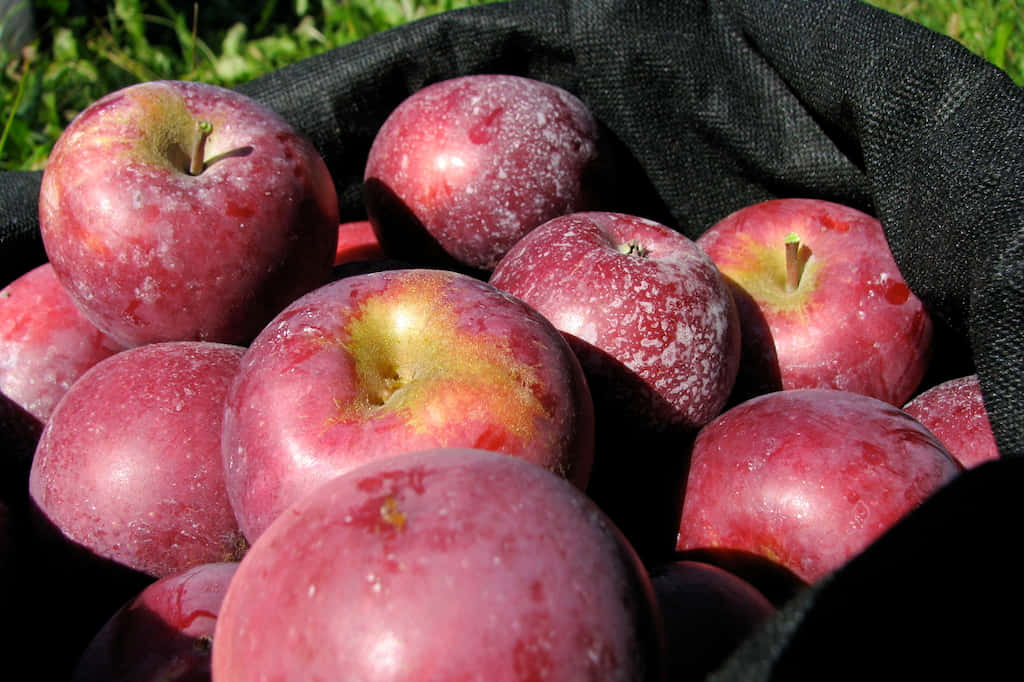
[[129, 465], [175, 210], [46, 343], [654, 326], [807, 478], [954, 410], [165, 633], [438, 565], [462, 168], [382, 363], [821, 300], [707, 611], [357, 242]]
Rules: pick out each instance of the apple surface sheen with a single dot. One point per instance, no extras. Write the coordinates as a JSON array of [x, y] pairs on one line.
[[46, 343], [184, 211], [129, 464], [807, 478], [834, 313], [440, 565], [382, 363], [468, 165]]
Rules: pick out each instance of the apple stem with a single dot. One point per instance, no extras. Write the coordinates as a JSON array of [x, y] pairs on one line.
[[198, 163], [794, 265]]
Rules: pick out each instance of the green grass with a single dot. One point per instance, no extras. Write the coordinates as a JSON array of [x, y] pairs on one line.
[[81, 55]]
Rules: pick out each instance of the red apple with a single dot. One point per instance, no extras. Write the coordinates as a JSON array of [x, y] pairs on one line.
[[357, 242], [954, 411], [129, 465], [821, 299], [45, 342], [184, 211], [439, 565], [807, 478], [463, 168], [163, 634], [707, 612], [654, 326], [382, 363]]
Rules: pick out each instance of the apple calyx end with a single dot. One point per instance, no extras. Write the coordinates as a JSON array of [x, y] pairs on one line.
[[198, 157], [633, 248]]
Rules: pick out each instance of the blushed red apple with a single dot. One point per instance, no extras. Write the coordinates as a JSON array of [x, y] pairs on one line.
[[822, 301], [46, 343], [654, 326], [439, 565], [164, 634], [129, 465], [807, 478], [464, 167], [383, 363], [954, 410], [357, 242], [177, 210]]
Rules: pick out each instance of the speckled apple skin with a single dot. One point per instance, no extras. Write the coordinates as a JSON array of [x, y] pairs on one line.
[[955, 412], [163, 634], [808, 478], [441, 565], [151, 253], [129, 464], [853, 323], [476, 162], [666, 315], [46, 343], [383, 363]]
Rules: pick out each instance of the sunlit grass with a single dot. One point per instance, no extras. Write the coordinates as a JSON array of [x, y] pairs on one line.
[[82, 55]]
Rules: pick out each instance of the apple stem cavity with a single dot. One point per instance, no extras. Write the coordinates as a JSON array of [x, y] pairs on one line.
[[198, 163], [794, 264], [633, 248]]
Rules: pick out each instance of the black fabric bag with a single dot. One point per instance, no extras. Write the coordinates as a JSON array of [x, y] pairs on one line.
[[722, 104]]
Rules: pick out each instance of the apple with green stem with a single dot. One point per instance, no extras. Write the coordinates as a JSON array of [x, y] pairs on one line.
[[377, 364], [821, 300], [175, 210]]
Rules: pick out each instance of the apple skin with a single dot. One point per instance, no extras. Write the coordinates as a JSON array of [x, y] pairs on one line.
[[851, 323], [808, 478], [357, 242], [165, 633], [954, 411], [152, 253], [658, 336], [45, 342], [707, 611], [382, 363], [129, 467], [445, 564], [464, 167]]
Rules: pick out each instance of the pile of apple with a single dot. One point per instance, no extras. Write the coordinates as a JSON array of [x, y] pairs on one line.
[[499, 430]]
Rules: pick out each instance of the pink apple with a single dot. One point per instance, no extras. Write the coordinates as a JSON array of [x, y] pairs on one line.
[[379, 364], [707, 612], [656, 331], [184, 211], [807, 478], [954, 411], [129, 465], [45, 342], [163, 634], [821, 299], [463, 168], [439, 565], [357, 242]]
